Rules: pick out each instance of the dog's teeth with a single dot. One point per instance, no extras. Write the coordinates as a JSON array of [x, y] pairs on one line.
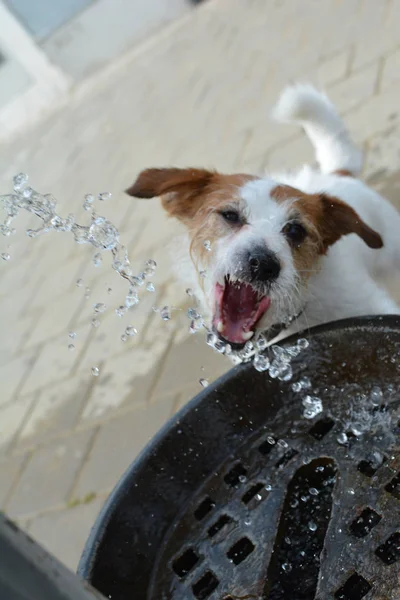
[[247, 335], [220, 327]]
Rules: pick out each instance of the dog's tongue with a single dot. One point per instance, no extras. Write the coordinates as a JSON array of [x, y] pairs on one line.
[[238, 308]]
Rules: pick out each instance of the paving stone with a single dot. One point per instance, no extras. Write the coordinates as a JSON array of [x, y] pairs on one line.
[[56, 361], [125, 381], [13, 373], [356, 89], [57, 316], [333, 69], [49, 475], [64, 532], [10, 468], [118, 443], [12, 417], [56, 410], [391, 70], [188, 362], [21, 330]]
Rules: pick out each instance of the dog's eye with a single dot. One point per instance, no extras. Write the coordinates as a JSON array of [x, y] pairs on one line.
[[232, 216], [295, 233]]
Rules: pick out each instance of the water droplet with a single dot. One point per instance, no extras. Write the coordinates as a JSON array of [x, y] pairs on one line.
[[258, 497], [261, 362], [95, 322], [88, 202], [87, 292], [95, 371], [5, 256], [72, 335], [130, 331], [287, 567], [219, 346], [20, 181], [204, 383], [203, 274], [376, 395], [351, 491], [285, 373], [151, 263], [97, 259], [150, 287], [271, 440], [105, 196], [296, 387], [79, 282], [109, 291], [207, 245], [312, 526], [313, 491], [193, 314], [131, 300], [242, 478], [211, 339], [120, 311], [71, 347], [247, 521], [165, 313], [313, 406], [302, 343], [274, 371], [261, 343], [268, 487], [342, 438], [100, 307], [282, 444], [305, 383], [189, 292], [124, 337], [103, 234]]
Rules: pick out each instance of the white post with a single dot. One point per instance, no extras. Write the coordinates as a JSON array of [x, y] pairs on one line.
[[49, 83]]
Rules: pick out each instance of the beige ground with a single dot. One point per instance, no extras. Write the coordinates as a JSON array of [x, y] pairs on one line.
[[197, 94]]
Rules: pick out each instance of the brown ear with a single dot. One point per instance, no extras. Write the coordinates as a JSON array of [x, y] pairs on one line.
[[182, 188], [338, 218]]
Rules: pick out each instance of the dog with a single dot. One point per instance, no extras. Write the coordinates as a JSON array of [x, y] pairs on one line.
[[284, 252]]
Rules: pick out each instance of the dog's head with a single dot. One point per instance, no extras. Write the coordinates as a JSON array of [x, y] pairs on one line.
[[258, 242]]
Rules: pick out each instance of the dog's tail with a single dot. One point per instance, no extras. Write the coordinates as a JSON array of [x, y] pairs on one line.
[[306, 106]]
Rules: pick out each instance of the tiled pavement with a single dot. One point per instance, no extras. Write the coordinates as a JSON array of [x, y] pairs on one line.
[[196, 94]]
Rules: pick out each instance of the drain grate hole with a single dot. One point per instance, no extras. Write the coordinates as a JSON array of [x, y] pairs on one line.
[[389, 552], [240, 551], [218, 525], [369, 467], [266, 447], [365, 522], [205, 586], [393, 487], [249, 495], [185, 563], [204, 508], [235, 475], [355, 588], [283, 461], [321, 428]]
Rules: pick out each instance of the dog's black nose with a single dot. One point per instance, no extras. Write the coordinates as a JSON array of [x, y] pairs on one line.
[[264, 265]]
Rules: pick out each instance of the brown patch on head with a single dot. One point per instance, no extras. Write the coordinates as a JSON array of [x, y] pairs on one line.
[[326, 219], [195, 197], [343, 173]]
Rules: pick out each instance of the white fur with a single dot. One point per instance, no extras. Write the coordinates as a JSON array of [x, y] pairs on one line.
[[304, 105]]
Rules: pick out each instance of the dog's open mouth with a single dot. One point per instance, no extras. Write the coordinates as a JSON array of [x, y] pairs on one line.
[[238, 308]]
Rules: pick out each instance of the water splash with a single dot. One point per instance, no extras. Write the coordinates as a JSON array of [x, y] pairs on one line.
[[101, 233], [104, 236]]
